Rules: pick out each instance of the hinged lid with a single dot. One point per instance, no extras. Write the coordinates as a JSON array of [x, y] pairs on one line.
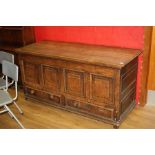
[[84, 53]]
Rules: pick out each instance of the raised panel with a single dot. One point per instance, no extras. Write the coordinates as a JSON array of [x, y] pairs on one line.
[[31, 74], [51, 80], [101, 89], [74, 83]]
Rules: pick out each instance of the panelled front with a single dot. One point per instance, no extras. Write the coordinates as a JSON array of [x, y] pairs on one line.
[[86, 87]]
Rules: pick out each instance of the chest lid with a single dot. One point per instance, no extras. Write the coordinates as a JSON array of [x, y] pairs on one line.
[[84, 53]]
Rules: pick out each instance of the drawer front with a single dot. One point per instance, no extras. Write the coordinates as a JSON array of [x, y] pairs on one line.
[[45, 96], [102, 112]]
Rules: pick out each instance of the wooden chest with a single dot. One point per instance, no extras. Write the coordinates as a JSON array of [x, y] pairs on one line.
[[95, 81]]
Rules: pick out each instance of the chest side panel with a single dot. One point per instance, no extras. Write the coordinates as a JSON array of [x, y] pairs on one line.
[[128, 84]]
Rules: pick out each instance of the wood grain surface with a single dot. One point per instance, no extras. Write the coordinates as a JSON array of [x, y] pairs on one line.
[[93, 54], [38, 116]]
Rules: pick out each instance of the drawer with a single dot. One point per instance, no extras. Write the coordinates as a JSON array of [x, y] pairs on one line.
[[44, 96], [98, 111], [91, 109]]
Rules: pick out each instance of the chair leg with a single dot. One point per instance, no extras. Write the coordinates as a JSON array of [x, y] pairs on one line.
[[9, 113], [14, 116], [18, 107]]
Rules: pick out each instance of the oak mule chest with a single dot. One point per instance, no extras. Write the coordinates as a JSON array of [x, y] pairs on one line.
[[92, 80]]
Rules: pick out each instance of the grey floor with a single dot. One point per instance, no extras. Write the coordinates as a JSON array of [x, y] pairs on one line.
[[151, 97]]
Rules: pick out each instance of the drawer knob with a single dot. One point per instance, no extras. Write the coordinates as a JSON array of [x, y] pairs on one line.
[[76, 104], [32, 92], [51, 96]]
